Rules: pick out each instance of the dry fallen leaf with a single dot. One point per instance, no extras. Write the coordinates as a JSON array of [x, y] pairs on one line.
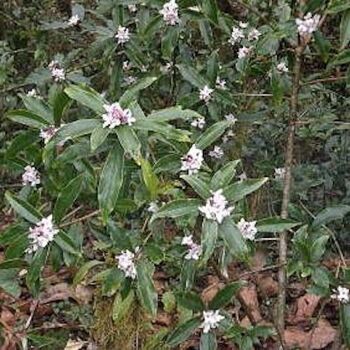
[[249, 298], [75, 344], [306, 306], [268, 286]]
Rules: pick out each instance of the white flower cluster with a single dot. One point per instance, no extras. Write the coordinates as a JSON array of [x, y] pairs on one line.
[[170, 13], [217, 152], [194, 249], [116, 116], [57, 72], [342, 294], [132, 8], [282, 67], [211, 320], [30, 176], [308, 24], [192, 161], [123, 35], [244, 51], [205, 94], [236, 35], [41, 235], [73, 20], [126, 263], [216, 207], [247, 229], [198, 123], [47, 133], [280, 173]]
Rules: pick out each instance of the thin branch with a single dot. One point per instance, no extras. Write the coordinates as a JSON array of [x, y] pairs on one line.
[[325, 80], [253, 272], [87, 216]]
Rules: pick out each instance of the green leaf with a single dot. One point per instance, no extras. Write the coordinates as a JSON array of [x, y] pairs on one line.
[[233, 239], [224, 175], [150, 178], [239, 190], [9, 283], [209, 238], [67, 197], [98, 136], [60, 103], [27, 118], [338, 6], [75, 129], [211, 134], [342, 58], [190, 301], [84, 269], [208, 341], [183, 331], [38, 107], [66, 243], [323, 45], [210, 9], [12, 264], [198, 185], [224, 296], [34, 271], [21, 142], [192, 76], [275, 224], [169, 42], [177, 208], [87, 97], [330, 214], [345, 323], [121, 307], [23, 208], [213, 67], [111, 181], [145, 287], [345, 29], [112, 280], [130, 142], [173, 113], [188, 272], [131, 94]]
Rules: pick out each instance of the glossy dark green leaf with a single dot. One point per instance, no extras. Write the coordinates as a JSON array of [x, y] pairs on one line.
[[145, 287], [211, 134], [275, 224], [60, 103], [9, 283], [150, 178], [224, 175], [130, 142], [23, 208], [210, 9], [190, 301], [192, 76], [224, 296], [173, 113], [169, 41], [345, 29], [21, 142], [183, 331], [84, 269], [34, 271], [111, 181], [27, 118], [67, 197], [39, 107], [98, 136], [239, 190], [208, 341], [209, 238], [329, 214], [345, 323], [121, 307], [199, 186], [66, 243]]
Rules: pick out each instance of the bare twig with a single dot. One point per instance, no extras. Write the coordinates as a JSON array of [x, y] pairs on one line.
[[87, 216], [253, 272], [325, 80]]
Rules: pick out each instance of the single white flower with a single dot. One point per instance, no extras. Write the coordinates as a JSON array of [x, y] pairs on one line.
[[221, 83], [282, 67], [217, 152], [132, 8], [129, 80], [211, 320], [74, 20], [187, 240], [243, 25], [216, 207], [126, 65], [31, 176], [57, 72], [126, 263], [41, 234], [116, 116], [198, 123], [236, 36], [167, 68], [253, 35], [193, 160], [280, 173], [170, 13], [341, 294], [229, 135], [242, 177], [247, 229], [205, 94], [244, 52], [308, 24], [153, 207], [231, 118], [32, 93], [47, 133], [123, 35]]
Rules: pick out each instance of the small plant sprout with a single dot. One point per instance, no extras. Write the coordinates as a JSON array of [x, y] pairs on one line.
[[205, 94], [216, 207], [194, 250], [41, 234], [170, 13], [30, 177], [308, 24], [57, 72], [247, 229], [198, 123], [282, 67], [116, 116], [341, 294], [211, 320], [74, 20], [126, 263], [193, 160], [217, 152], [123, 35]]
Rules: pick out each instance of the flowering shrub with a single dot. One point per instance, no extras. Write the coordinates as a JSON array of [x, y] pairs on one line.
[[143, 148]]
